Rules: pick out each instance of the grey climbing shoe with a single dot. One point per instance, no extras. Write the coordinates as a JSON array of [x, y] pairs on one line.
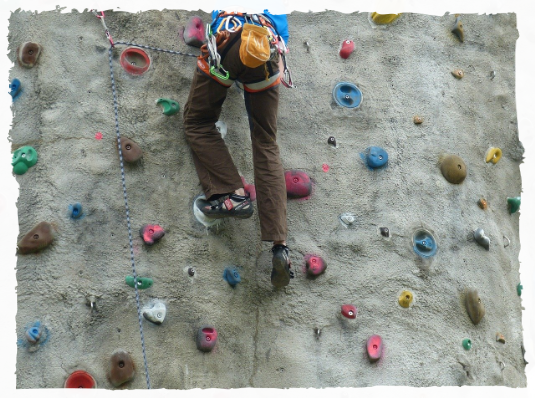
[[281, 274], [230, 205]]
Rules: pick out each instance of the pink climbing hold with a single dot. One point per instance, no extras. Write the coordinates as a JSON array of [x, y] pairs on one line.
[[206, 338], [375, 347], [151, 233], [298, 184], [194, 32], [349, 311], [315, 265], [221, 394], [98, 135], [347, 48], [325, 167], [249, 189]]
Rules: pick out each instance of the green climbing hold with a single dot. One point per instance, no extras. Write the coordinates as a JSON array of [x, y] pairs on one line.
[[23, 159], [170, 107], [142, 283], [521, 287], [9, 5], [514, 204], [467, 344]]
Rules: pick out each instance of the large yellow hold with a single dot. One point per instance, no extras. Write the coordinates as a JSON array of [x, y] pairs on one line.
[[387, 11]]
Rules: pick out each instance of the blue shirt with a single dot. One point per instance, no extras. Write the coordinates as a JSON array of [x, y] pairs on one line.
[[273, 9]]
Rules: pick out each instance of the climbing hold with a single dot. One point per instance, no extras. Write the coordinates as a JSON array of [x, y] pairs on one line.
[[527, 351], [80, 379], [347, 95], [206, 338], [482, 203], [298, 184], [75, 210], [151, 233], [331, 141], [98, 135], [347, 48], [130, 150], [347, 219], [453, 169], [458, 73], [232, 276], [325, 167], [23, 159], [191, 271], [314, 265], [405, 299], [134, 60], [28, 53], [417, 120], [121, 368], [200, 216], [521, 287], [142, 283], [474, 306], [374, 157], [221, 126], [493, 155], [458, 29], [349, 311], [14, 86], [514, 204], [9, 5], [495, 5], [33, 334], [37, 239], [479, 236], [387, 11], [374, 347], [155, 313], [424, 243], [500, 338], [194, 32], [249, 189], [170, 107], [525, 132], [467, 344], [3, 203], [222, 394], [384, 231]]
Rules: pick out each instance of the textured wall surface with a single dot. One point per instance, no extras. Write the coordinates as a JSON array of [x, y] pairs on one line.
[[267, 337]]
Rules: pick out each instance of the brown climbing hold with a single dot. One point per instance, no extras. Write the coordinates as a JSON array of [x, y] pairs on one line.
[[131, 150], [458, 29], [417, 120], [37, 239], [28, 53], [458, 73], [121, 368], [500, 338], [453, 169], [474, 306], [482, 203]]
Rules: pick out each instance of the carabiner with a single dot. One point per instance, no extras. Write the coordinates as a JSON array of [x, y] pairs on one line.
[[214, 72]]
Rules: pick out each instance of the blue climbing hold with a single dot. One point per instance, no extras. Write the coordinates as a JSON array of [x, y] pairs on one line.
[[374, 157], [15, 88], [75, 211], [424, 243], [347, 95], [35, 335], [232, 276]]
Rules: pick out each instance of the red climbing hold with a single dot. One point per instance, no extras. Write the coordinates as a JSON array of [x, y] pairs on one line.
[[221, 394], [98, 135], [315, 265], [249, 189], [206, 338], [349, 311], [347, 48], [325, 167], [298, 184], [80, 379], [375, 347], [151, 233], [194, 32]]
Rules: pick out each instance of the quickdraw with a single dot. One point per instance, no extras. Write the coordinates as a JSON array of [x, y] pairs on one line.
[[209, 51], [101, 17]]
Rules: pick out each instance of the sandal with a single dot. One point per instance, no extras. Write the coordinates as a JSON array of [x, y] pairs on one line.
[[230, 205]]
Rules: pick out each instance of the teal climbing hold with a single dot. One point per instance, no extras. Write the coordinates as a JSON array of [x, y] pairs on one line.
[[9, 5], [467, 344], [514, 204], [521, 287], [23, 159], [142, 283], [170, 107]]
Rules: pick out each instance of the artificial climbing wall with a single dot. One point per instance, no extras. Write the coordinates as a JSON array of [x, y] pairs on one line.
[[72, 297]]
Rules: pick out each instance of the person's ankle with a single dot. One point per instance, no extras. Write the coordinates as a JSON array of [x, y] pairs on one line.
[[240, 192], [279, 242]]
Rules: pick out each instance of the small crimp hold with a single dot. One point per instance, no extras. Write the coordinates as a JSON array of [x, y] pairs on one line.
[[458, 29], [519, 288], [493, 155], [514, 204], [384, 232], [14, 86], [331, 141], [347, 48], [349, 311], [467, 344], [142, 283], [374, 346], [418, 120], [500, 338], [405, 299], [383, 19], [170, 107], [458, 73], [482, 203], [232, 276], [75, 211], [479, 236]]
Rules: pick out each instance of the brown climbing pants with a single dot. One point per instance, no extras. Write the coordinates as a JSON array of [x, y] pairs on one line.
[[215, 168]]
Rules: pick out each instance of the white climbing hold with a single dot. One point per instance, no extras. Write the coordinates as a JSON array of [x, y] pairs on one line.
[[479, 236], [222, 127], [347, 219], [155, 313]]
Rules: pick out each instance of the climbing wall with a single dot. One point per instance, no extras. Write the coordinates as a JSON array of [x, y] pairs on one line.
[[398, 240]]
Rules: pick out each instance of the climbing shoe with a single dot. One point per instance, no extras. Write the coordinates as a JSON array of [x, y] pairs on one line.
[[281, 274], [230, 205]]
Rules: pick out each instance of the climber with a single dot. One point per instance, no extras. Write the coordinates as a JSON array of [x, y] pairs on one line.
[[248, 49]]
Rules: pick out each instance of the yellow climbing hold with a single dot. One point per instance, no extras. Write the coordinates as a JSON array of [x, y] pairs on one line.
[[493, 155], [387, 11], [405, 299]]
